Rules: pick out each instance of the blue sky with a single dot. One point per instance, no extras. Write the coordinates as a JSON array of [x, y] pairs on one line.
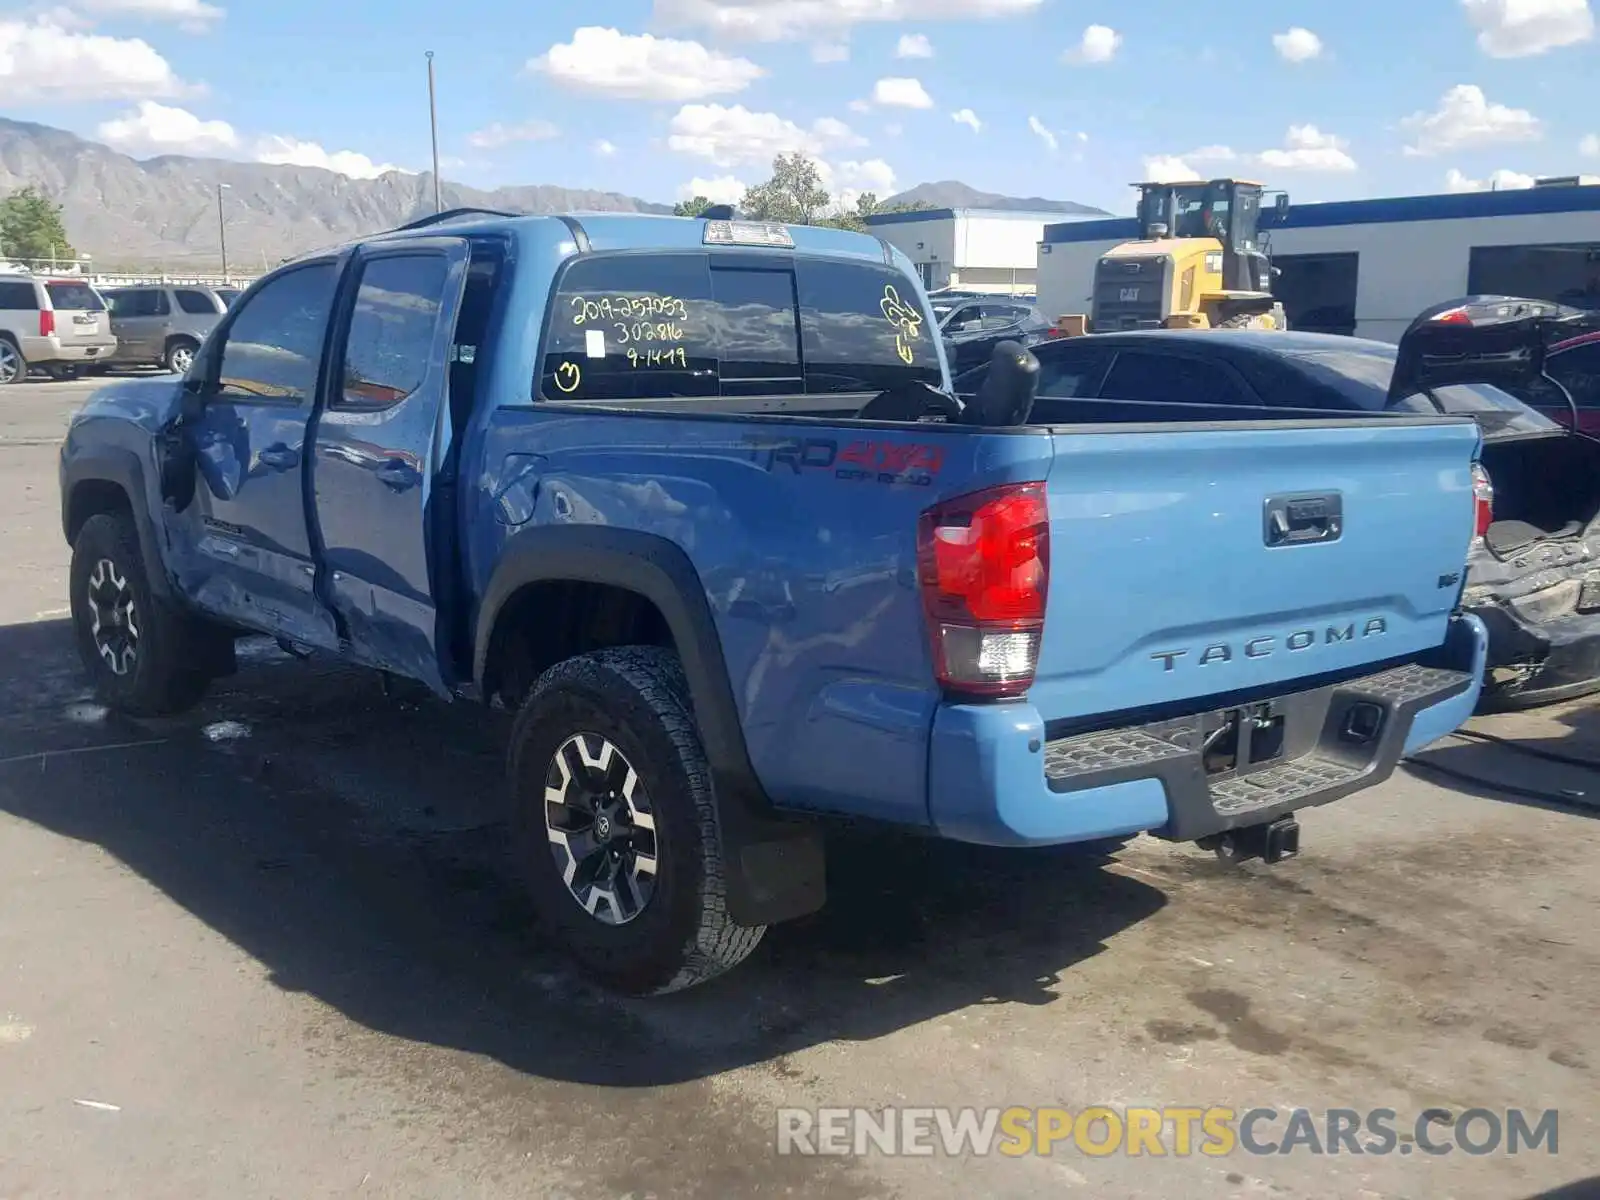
[[1069, 99]]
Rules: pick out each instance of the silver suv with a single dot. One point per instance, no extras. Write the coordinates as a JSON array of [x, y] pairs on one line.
[[56, 325], [162, 324]]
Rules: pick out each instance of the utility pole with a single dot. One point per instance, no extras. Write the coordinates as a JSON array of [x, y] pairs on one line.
[[222, 230], [433, 125]]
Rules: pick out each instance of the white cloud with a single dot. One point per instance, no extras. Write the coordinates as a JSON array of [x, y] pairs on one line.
[[643, 67], [736, 136], [1465, 118], [781, 20], [913, 45], [159, 129], [1297, 45], [1589, 147], [969, 118], [494, 136], [846, 182], [1520, 28], [1305, 148], [724, 189], [1081, 136], [194, 16], [604, 148], [901, 93], [1499, 181], [1099, 44], [830, 52], [893, 129], [1166, 168], [1040, 128], [44, 59], [291, 152]]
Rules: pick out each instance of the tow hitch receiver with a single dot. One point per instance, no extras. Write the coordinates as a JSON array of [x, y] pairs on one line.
[[1272, 841]]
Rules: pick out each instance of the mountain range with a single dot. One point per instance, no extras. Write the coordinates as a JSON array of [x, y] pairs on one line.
[[129, 212]]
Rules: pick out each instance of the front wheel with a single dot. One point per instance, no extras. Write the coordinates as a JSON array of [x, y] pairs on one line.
[[617, 823], [143, 657]]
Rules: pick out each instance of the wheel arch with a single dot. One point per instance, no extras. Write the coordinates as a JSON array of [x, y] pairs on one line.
[[113, 481], [775, 863]]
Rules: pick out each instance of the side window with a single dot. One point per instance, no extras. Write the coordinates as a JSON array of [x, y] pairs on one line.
[[160, 304], [390, 343], [1070, 373], [18, 297], [1168, 379], [137, 302], [198, 303], [1578, 369], [273, 347], [863, 329], [966, 318]]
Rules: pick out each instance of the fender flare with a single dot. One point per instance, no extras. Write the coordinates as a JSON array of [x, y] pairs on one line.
[[775, 864], [121, 467]]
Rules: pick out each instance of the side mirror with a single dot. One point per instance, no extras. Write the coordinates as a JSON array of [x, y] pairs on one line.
[[1008, 390]]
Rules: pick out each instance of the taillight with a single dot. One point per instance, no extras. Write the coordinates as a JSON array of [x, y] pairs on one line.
[[1482, 500], [983, 562], [47, 322], [1454, 316]]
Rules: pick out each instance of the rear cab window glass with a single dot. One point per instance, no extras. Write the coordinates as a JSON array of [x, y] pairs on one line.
[[697, 325], [391, 329], [78, 296], [15, 296], [198, 303]]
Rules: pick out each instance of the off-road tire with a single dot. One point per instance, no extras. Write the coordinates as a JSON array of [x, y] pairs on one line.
[[636, 698], [167, 674]]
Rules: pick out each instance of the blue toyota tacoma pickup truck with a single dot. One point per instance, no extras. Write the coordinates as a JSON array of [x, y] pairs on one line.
[[692, 497]]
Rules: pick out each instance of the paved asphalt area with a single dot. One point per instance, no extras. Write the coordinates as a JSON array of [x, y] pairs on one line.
[[274, 949]]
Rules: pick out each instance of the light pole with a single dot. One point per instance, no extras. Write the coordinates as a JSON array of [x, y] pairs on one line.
[[433, 125], [222, 230]]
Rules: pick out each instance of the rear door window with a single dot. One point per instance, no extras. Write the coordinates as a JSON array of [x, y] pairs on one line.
[[1071, 372], [18, 297], [140, 302], [79, 296], [197, 303], [648, 326], [1170, 379]]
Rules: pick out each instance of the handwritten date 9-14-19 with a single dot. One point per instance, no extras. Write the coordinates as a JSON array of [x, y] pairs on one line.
[[586, 310], [675, 356]]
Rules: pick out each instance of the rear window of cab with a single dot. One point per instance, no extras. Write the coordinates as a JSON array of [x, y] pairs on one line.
[[635, 326]]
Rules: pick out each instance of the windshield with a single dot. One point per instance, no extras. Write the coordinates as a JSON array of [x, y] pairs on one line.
[[1362, 372], [75, 295]]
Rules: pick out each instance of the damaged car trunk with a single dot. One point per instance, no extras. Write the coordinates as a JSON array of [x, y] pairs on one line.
[[1533, 575]]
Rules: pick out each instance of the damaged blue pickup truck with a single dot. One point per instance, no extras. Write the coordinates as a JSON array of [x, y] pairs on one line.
[[693, 496]]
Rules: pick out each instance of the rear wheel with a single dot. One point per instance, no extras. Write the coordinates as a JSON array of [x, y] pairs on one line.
[[180, 355], [144, 658], [13, 367], [617, 824]]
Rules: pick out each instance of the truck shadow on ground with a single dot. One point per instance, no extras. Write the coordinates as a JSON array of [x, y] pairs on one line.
[[354, 844], [1547, 758]]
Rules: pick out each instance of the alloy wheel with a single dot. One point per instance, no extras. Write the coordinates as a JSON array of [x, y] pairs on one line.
[[10, 363], [113, 620], [601, 827]]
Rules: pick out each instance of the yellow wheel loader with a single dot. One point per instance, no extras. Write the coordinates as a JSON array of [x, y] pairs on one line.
[[1198, 263]]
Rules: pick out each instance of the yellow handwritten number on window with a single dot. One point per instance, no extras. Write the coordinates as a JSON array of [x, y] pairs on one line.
[[905, 318], [568, 377]]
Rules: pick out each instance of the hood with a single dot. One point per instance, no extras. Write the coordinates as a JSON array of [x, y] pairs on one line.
[[1499, 341], [152, 404]]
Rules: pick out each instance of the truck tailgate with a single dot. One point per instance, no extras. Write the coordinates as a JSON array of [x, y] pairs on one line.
[[1194, 562]]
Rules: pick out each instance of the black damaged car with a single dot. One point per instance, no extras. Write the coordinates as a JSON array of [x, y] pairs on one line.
[[1533, 573]]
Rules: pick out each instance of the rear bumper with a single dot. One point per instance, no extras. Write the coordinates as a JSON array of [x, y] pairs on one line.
[[1539, 662], [995, 779], [53, 349]]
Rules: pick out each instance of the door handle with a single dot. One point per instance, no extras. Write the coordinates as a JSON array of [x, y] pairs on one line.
[[397, 475], [280, 457]]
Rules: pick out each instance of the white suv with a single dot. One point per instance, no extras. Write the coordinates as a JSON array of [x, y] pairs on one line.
[[56, 325]]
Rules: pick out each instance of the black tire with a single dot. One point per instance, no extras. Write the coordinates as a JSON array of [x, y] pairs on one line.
[[179, 355], [13, 366], [160, 665], [635, 698]]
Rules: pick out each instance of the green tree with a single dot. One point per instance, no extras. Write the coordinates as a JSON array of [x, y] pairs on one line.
[[692, 207], [31, 226], [794, 194]]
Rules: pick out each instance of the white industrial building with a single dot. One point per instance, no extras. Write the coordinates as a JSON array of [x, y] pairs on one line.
[[980, 249], [1368, 267]]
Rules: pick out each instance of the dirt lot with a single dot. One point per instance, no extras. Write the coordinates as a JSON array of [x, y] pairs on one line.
[[277, 948]]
